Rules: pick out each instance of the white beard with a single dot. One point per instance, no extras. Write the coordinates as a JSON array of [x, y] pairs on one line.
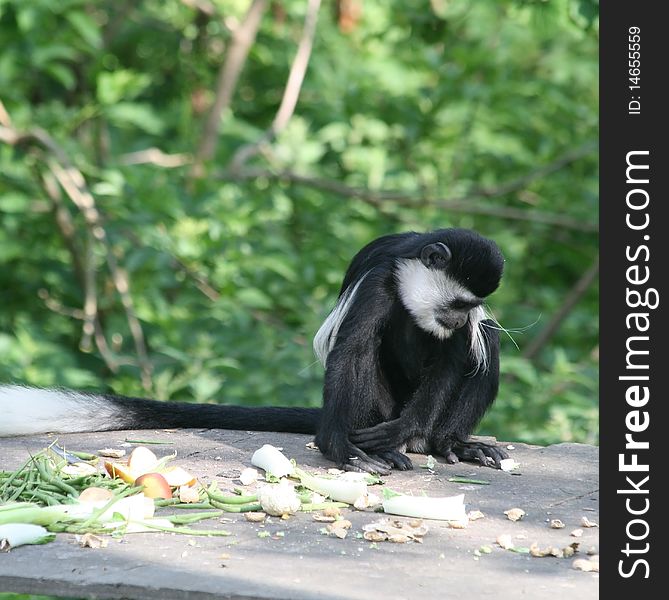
[[424, 292]]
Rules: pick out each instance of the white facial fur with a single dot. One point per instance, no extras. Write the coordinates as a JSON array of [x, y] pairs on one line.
[[424, 292]]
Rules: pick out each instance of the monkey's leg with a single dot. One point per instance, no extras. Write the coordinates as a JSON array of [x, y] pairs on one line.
[[355, 392]]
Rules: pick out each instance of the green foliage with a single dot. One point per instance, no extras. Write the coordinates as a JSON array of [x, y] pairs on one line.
[[231, 275]]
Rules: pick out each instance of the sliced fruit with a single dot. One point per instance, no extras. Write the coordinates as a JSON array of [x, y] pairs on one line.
[[155, 485], [120, 470], [177, 476], [95, 494], [142, 460]]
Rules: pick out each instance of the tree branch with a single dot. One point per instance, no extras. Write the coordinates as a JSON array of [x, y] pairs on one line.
[[242, 40], [71, 180], [460, 204], [291, 92], [67, 231], [572, 299]]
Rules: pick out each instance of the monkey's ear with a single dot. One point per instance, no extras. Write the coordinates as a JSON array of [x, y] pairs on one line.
[[435, 256]]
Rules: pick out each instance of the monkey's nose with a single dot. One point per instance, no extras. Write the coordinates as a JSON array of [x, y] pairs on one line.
[[451, 320]]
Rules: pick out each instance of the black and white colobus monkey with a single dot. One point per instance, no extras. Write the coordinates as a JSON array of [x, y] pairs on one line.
[[411, 363]]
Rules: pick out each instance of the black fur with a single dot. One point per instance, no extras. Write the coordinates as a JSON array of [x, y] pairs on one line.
[[389, 384]]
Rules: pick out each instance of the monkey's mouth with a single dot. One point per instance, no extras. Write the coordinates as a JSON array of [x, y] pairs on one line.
[[450, 323]]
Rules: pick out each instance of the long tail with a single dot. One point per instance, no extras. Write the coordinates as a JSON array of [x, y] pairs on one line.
[[25, 411]]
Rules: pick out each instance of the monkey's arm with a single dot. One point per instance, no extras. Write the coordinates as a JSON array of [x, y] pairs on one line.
[[445, 409], [355, 393], [456, 423]]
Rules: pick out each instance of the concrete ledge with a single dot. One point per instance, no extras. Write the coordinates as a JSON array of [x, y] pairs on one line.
[[558, 481]]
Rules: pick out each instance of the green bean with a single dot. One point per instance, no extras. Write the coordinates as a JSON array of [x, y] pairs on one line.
[[236, 508], [231, 499], [17, 492], [14, 475], [43, 469], [193, 518]]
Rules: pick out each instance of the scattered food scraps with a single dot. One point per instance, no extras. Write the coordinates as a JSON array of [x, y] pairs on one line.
[[277, 500], [112, 452], [249, 476], [505, 541], [189, 494], [368, 500], [90, 540], [587, 565], [430, 463], [21, 534], [395, 530], [339, 528], [508, 464], [324, 519], [557, 524], [514, 514], [475, 515], [271, 460], [585, 522], [450, 508], [576, 533], [331, 511], [255, 517]]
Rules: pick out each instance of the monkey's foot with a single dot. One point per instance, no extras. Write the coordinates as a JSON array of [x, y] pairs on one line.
[[486, 454]]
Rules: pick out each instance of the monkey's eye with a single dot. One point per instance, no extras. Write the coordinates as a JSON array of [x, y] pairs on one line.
[[435, 256]]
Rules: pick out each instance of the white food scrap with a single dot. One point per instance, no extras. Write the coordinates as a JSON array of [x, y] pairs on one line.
[[587, 565], [508, 464], [248, 476], [279, 499], [505, 541]]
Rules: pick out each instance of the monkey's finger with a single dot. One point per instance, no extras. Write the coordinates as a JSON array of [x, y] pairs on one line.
[[398, 460], [362, 466], [451, 458], [367, 463], [497, 455], [381, 437]]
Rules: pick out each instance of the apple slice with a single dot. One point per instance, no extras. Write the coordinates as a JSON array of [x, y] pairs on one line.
[[176, 477], [142, 460], [121, 471], [95, 495], [155, 485]]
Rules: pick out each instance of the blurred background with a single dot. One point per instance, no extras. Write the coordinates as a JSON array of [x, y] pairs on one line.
[[183, 183]]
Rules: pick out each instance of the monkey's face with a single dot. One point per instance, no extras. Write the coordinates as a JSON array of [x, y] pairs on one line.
[[445, 285]]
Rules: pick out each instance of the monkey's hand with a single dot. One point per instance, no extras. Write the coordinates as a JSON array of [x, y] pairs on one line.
[[382, 441], [349, 457], [361, 462], [488, 455]]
